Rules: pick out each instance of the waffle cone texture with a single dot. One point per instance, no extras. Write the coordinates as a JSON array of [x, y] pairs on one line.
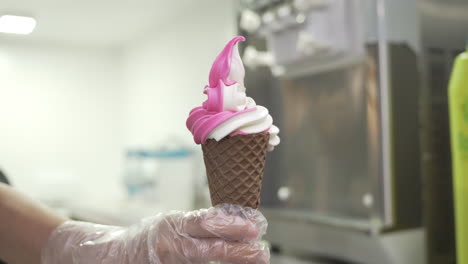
[[235, 167]]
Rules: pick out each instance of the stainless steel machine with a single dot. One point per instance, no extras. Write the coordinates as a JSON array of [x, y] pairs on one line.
[[344, 88]]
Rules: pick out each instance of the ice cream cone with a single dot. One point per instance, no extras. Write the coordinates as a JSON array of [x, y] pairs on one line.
[[235, 167], [235, 132]]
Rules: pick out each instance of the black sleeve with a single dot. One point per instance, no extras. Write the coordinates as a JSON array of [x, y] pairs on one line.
[[4, 180]]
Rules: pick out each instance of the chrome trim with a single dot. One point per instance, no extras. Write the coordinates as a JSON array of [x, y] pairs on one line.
[[385, 114]]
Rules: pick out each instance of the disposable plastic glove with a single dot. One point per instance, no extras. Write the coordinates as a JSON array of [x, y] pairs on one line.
[[226, 233]]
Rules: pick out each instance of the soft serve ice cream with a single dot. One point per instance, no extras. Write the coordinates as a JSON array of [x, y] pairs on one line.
[[235, 133], [228, 111]]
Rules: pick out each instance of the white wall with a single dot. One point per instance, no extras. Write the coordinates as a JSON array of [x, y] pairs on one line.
[[166, 70], [60, 116], [68, 112]]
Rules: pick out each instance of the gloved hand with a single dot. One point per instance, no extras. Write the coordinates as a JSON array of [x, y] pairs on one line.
[[226, 233]]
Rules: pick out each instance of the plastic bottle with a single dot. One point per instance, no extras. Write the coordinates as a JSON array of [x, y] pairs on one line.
[[458, 103]]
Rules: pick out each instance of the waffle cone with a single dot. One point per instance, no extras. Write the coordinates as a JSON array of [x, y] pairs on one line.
[[235, 166]]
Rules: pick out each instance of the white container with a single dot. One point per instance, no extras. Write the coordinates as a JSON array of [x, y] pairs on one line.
[[162, 179], [174, 183]]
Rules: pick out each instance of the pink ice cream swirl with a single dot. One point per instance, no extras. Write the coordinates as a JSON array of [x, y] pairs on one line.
[[228, 111]]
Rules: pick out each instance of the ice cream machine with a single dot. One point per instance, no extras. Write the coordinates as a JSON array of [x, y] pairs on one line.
[[343, 76]]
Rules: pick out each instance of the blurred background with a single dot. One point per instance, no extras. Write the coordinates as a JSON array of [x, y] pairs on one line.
[[94, 96]]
